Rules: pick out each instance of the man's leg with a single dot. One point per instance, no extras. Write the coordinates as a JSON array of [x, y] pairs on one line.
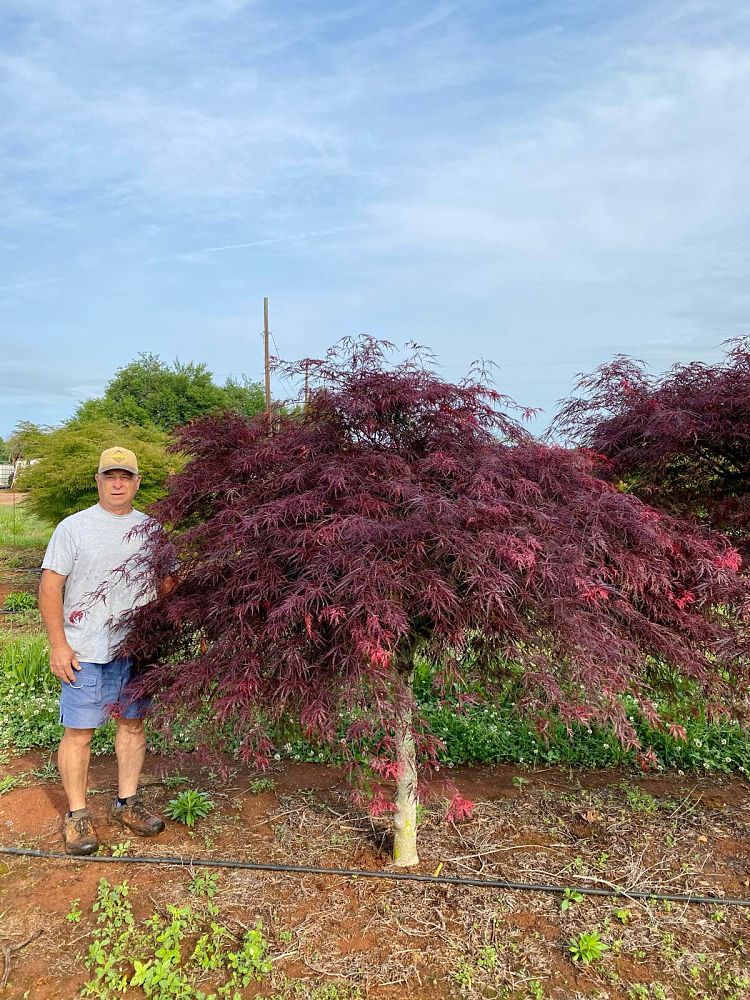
[[73, 757], [130, 747], [128, 810]]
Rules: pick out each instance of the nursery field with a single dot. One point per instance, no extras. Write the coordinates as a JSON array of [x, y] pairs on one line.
[[573, 813]]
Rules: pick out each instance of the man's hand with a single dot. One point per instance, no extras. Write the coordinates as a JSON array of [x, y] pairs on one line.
[[63, 663]]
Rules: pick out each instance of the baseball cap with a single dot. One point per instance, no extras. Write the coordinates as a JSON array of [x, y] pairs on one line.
[[118, 458]]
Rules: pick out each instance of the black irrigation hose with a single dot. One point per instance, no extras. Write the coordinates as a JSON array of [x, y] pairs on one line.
[[482, 883]]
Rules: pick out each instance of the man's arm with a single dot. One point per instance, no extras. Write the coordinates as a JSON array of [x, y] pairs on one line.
[[62, 658]]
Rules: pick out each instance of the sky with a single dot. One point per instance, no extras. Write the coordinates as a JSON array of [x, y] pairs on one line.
[[542, 184]]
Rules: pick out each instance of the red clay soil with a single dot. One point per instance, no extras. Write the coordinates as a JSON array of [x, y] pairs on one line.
[[394, 940]]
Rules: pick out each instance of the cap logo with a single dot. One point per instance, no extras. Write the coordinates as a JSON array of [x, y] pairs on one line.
[[118, 455]]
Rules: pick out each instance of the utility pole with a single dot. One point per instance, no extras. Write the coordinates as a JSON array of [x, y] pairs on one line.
[[267, 354]]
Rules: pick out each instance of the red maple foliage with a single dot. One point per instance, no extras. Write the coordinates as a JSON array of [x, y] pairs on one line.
[[399, 512], [680, 442]]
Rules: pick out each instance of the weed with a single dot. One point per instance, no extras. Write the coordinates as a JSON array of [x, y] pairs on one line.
[[156, 957], [174, 780], [121, 850], [8, 783], [588, 947], [260, 785], [570, 898], [647, 991], [47, 772], [519, 782], [189, 806], [74, 914], [487, 958], [19, 601], [204, 884], [301, 989], [640, 801], [623, 915], [464, 973]]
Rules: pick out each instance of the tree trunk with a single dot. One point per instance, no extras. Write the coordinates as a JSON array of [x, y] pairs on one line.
[[405, 818]]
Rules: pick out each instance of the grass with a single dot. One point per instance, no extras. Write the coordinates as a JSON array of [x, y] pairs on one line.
[[20, 529]]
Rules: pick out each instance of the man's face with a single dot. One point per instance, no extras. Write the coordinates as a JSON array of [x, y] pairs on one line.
[[117, 488]]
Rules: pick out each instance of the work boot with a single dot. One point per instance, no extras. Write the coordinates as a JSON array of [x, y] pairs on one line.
[[79, 835], [136, 817]]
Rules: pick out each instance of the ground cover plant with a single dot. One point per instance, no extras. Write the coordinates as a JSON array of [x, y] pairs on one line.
[[680, 441], [401, 516]]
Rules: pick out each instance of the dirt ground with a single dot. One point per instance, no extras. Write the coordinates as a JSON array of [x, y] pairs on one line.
[[417, 940], [8, 498]]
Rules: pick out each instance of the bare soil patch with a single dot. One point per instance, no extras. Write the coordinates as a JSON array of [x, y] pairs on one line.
[[8, 498], [389, 939]]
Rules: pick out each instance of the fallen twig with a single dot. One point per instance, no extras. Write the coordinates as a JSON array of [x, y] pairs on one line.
[[8, 950]]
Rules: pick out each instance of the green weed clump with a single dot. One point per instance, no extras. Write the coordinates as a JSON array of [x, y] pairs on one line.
[[189, 806], [168, 954], [588, 947], [19, 601]]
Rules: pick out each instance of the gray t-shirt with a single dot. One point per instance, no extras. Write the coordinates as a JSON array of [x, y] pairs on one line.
[[87, 548]]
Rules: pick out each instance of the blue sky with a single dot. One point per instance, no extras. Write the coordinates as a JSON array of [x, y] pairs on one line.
[[542, 184]]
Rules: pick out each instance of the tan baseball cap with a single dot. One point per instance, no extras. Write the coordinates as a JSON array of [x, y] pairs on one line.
[[118, 458]]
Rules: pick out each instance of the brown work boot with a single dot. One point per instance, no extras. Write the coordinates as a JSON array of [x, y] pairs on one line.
[[136, 817], [79, 835]]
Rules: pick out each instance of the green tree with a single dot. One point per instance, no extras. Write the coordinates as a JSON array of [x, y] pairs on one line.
[[61, 481], [148, 391], [4, 450]]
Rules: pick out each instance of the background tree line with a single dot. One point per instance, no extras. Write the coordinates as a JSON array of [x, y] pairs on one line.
[[140, 408]]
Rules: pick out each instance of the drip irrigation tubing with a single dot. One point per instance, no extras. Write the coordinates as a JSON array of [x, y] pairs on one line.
[[482, 883]]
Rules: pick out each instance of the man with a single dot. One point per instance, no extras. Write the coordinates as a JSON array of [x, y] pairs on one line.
[[80, 560]]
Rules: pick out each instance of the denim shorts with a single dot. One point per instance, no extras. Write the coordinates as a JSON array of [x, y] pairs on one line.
[[92, 698]]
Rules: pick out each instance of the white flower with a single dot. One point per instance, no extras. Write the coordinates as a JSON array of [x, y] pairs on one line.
[[277, 756], [697, 743]]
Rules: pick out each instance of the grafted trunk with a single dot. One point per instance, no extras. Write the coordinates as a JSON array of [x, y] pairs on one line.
[[405, 818]]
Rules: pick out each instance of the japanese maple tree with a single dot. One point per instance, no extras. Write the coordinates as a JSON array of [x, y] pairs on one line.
[[681, 442], [399, 515]]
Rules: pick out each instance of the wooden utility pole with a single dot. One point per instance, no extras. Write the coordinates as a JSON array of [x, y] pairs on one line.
[[267, 353]]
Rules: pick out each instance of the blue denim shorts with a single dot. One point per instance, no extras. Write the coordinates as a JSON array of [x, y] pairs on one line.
[[88, 702]]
